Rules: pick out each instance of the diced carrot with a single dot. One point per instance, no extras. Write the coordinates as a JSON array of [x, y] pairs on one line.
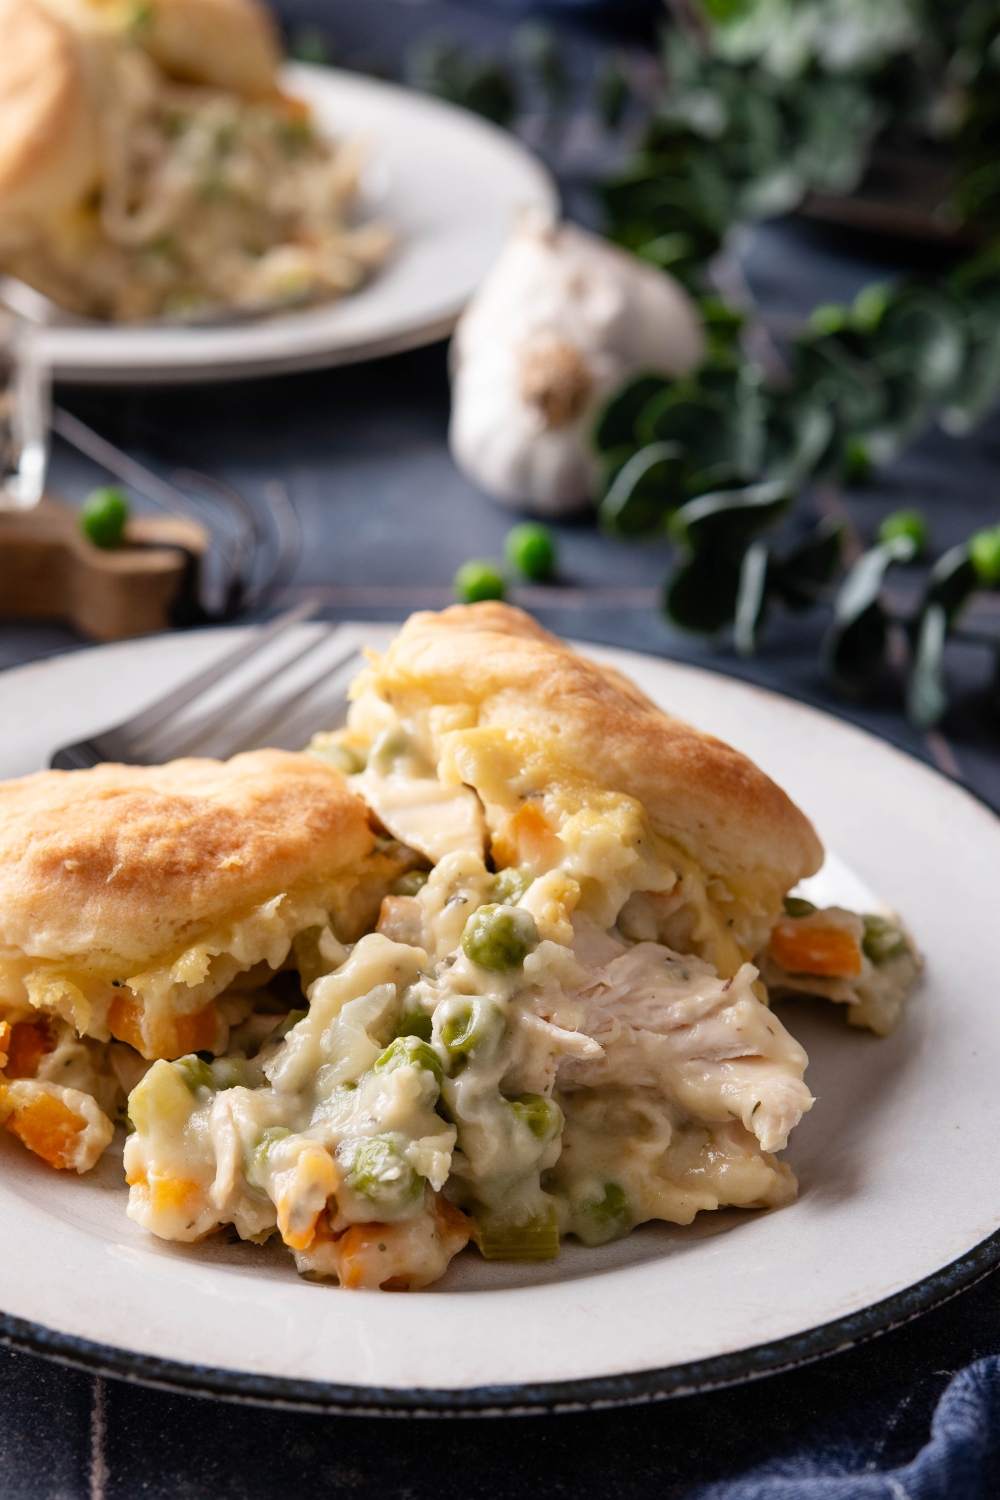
[[358, 1247], [174, 1036], [450, 1222], [827, 951], [49, 1128], [27, 1045], [385, 1255], [304, 1196], [527, 838], [170, 1194]]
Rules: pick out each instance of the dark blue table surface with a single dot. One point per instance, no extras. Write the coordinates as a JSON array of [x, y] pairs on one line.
[[386, 519]]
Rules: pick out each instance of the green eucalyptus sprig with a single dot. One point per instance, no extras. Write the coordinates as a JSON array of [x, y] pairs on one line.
[[863, 381], [729, 575], [856, 648]]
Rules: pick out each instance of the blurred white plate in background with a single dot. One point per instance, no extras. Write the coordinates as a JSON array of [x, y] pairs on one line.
[[899, 1200], [448, 182]]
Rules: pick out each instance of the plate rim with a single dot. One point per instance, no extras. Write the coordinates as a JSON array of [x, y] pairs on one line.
[[552, 1398], [537, 1398]]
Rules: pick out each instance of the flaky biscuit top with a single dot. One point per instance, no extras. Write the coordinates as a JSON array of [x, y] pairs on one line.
[[508, 673], [126, 863]]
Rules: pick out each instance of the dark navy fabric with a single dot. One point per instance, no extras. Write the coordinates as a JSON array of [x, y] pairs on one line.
[[960, 1461]]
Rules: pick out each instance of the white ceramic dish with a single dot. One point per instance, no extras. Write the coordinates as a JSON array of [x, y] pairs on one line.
[[899, 1203], [447, 181]]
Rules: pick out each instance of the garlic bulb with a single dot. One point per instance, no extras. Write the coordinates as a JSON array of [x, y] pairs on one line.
[[560, 321]]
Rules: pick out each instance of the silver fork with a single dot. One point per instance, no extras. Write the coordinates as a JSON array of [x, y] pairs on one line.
[[243, 715]]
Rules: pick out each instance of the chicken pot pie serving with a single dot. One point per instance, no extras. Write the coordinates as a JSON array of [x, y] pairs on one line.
[[150, 165], [142, 908], [557, 1025]]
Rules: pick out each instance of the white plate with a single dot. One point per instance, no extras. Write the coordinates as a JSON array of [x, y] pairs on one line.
[[448, 182], [900, 1197]]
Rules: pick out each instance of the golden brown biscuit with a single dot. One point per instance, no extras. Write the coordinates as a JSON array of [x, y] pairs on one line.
[[230, 44], [134, 861], [48, 133], [707, 798], [132, 896]]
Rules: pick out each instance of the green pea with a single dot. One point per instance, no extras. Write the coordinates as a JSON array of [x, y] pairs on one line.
[[409, 1052], [909, 523], [883, 940], [537, 1239], [380, 1173], [103, 517], [346, 758], [797, 906], [828, 318], [601, 1220], [389, 747], [195, 1073], [531, 549], [256, 1157], [415, 1022], [543, 1118], [510, 885], [470, 1025], [410, 883], [499, 937], [477, 580], [984, 553]]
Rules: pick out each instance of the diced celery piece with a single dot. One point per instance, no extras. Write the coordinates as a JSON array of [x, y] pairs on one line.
[[232, 1072], [537, 1239], [163, 1097], [195, 1072], [255, 1160]]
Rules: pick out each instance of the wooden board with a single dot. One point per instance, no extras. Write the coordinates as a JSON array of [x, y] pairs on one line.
[[50, 571]]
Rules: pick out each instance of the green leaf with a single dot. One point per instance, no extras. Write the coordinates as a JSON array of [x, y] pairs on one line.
[[727, 521], [953, 578], [701, 594], [615, 424], [643, 491], [926, 699], [751, 599], [855, 645], [801, 578]]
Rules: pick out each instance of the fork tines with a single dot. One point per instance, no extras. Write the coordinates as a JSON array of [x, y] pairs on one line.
[[255, 694]]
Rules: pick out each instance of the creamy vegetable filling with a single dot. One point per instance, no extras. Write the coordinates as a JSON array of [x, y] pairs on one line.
[[492, 1062], [868, 963]]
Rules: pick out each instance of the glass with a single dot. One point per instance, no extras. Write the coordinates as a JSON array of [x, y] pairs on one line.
[[24, 414]]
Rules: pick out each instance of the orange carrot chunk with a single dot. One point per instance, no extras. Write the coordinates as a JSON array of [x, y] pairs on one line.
[[48, 1128], [827, 951], [26, 1046]]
